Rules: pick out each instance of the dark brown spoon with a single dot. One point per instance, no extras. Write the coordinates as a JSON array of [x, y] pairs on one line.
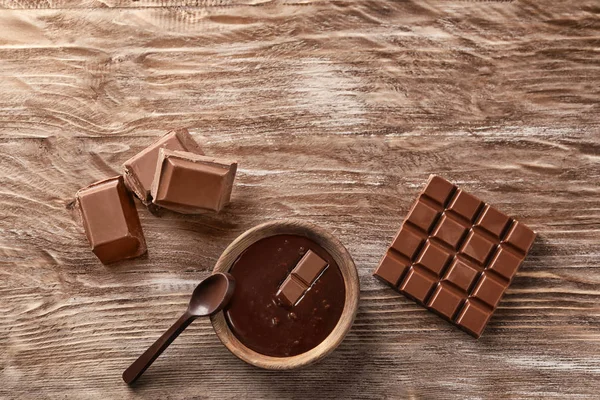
[[210, 296]]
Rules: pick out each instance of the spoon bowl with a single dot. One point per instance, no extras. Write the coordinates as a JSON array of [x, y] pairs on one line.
[[212, 295]]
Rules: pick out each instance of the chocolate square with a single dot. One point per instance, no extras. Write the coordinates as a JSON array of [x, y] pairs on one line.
[[309, 267], [492, 221], [449, 231], [439, 190], [473, 318], [477, 247], [520, 236], [407, 242], [423, 216], [417, 284], [191, 184], [139, 169], [505, 263], [433, 257], [465, 204], [461, 274], [489, 289], [111, 221], [305, 273], [445, 300], [290, 291], [391, 268]]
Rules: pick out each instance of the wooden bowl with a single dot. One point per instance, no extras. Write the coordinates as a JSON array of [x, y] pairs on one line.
[[346, 265]]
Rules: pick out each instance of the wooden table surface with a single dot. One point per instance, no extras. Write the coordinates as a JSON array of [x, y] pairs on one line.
[[337, 113]]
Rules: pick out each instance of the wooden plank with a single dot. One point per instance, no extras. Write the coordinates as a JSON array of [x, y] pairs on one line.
[[119, 4], [337, 113]]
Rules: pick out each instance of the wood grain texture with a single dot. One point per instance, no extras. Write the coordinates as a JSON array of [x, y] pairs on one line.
[[337, 113]]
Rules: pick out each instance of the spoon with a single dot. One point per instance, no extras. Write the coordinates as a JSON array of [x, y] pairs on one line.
[[210, 296]]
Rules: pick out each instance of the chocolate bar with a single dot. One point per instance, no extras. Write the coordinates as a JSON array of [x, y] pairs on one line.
[[111, 221], [455, 255], [302, 277], [140, 169], [190, 183]]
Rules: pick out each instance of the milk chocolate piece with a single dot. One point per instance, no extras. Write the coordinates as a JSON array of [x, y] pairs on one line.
[[140, 169], [309, 268], [291, 291], [111, 221], [189, 183], [455, 255], [304, 274]]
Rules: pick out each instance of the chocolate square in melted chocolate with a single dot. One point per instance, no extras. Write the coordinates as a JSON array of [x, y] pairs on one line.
[[291, 291], [309, 267], [304, 274], [455, 255]]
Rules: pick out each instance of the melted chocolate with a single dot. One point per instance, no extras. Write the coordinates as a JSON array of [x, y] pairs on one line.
[[254, 315]]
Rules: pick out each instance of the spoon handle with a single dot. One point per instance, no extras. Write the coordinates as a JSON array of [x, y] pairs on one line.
[[140, 365]]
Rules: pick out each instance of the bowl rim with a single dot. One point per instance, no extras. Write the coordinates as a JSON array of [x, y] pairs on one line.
[[351, 283]]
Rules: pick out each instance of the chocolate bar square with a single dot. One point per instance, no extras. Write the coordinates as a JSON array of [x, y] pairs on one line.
[[417, 284], [309, 267], [445, 301], [305, 273], [392, 267], [461, 274], [449, 231], [290, 291], [455, 255], [111, 221], [139, 170], [433, 258], [407, 242], [189, 183]]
